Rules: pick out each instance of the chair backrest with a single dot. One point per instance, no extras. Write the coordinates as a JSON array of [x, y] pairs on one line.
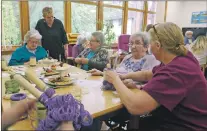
[[72, 38], [70, 46], [123, 42], [75, 51]]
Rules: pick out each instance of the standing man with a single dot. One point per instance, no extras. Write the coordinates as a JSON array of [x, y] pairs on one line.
[[54, 37]]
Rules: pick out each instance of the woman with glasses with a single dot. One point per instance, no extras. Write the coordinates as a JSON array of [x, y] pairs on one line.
[[95, 56], [139, 59], [31, 48], [176, 90], [54, 38]]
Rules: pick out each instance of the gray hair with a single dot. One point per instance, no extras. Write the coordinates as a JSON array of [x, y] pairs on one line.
[[46, 11], [145, 37], [81, 40], [99, 37], [188, 32], [32, 34]]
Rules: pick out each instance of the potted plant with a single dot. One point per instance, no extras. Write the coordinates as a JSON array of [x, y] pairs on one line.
[[109, 34]]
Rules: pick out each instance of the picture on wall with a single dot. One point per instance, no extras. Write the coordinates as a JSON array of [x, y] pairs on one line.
[[199, 17]]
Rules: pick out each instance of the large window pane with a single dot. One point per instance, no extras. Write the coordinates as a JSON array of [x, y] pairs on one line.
[[119, 3], [152, 5], [136, 4], [35, 10], [83, 18], [151, 18], [113, 18], [11, 34], [134, 22]]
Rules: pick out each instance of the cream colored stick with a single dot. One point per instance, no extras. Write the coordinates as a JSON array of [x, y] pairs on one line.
[[31, 75], [28, 86]]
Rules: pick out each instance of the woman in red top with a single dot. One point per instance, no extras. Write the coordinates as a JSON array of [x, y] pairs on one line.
[[176, 90]]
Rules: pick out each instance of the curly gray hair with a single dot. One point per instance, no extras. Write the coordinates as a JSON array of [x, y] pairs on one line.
[[32, 34], [145, 37], [81, 40], [188, 32], [99, 37]]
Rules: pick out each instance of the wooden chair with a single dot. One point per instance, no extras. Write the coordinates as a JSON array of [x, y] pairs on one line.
[[72, 38]]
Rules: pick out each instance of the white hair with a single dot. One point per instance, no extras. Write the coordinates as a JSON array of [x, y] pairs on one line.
[[32, 34], [81, 40], [188, 32], [144, 35], [99, 37]]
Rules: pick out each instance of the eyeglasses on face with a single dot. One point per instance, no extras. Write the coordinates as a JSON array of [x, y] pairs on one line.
[[93, 41], [33, 42], [136, 43], [49, 17]]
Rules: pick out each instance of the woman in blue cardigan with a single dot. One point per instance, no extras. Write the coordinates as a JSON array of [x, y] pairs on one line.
[[30, 48]]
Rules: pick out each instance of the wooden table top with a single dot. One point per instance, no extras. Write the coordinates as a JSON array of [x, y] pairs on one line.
[[96, 101]]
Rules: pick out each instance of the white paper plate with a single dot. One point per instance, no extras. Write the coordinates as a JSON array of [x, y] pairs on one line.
[[47, 81]]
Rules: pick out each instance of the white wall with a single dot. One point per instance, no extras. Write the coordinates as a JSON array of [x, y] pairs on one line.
[[180, 12]]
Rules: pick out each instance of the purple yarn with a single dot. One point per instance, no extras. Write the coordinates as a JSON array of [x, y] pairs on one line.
[[44, 99], [63, 108], [18, 97], [50, 92], [106, 85]]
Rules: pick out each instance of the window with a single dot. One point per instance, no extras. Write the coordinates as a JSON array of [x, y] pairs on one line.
[[118, 3], [11, 34], [112, 19], [83, 18], [151, 18], [35, 10], [134, 22], [152, 6], [136, 4]]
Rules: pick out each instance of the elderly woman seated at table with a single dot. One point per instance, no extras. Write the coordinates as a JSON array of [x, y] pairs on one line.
[[188, 37], [95, 56], [31, 48], [171, 94], [79, 46], [139, 59]]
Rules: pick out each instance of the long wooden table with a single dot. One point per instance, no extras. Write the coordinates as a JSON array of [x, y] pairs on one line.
[[96, 101]]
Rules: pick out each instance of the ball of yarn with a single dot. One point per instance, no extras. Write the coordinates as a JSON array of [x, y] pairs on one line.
[[63, 108], [107, 86], [12, 86]]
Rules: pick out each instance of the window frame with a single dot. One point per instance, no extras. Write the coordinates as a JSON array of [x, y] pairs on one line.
[[24, 14], [85, 3]]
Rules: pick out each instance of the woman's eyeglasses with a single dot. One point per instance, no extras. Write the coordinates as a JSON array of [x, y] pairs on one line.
[[93, 41], [33, 42], [156, 32], [136, 43]]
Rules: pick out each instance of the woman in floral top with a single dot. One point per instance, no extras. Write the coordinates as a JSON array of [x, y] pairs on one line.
[[139, 59]]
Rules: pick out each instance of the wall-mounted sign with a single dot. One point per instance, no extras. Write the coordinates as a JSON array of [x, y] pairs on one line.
[[199, 17]]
